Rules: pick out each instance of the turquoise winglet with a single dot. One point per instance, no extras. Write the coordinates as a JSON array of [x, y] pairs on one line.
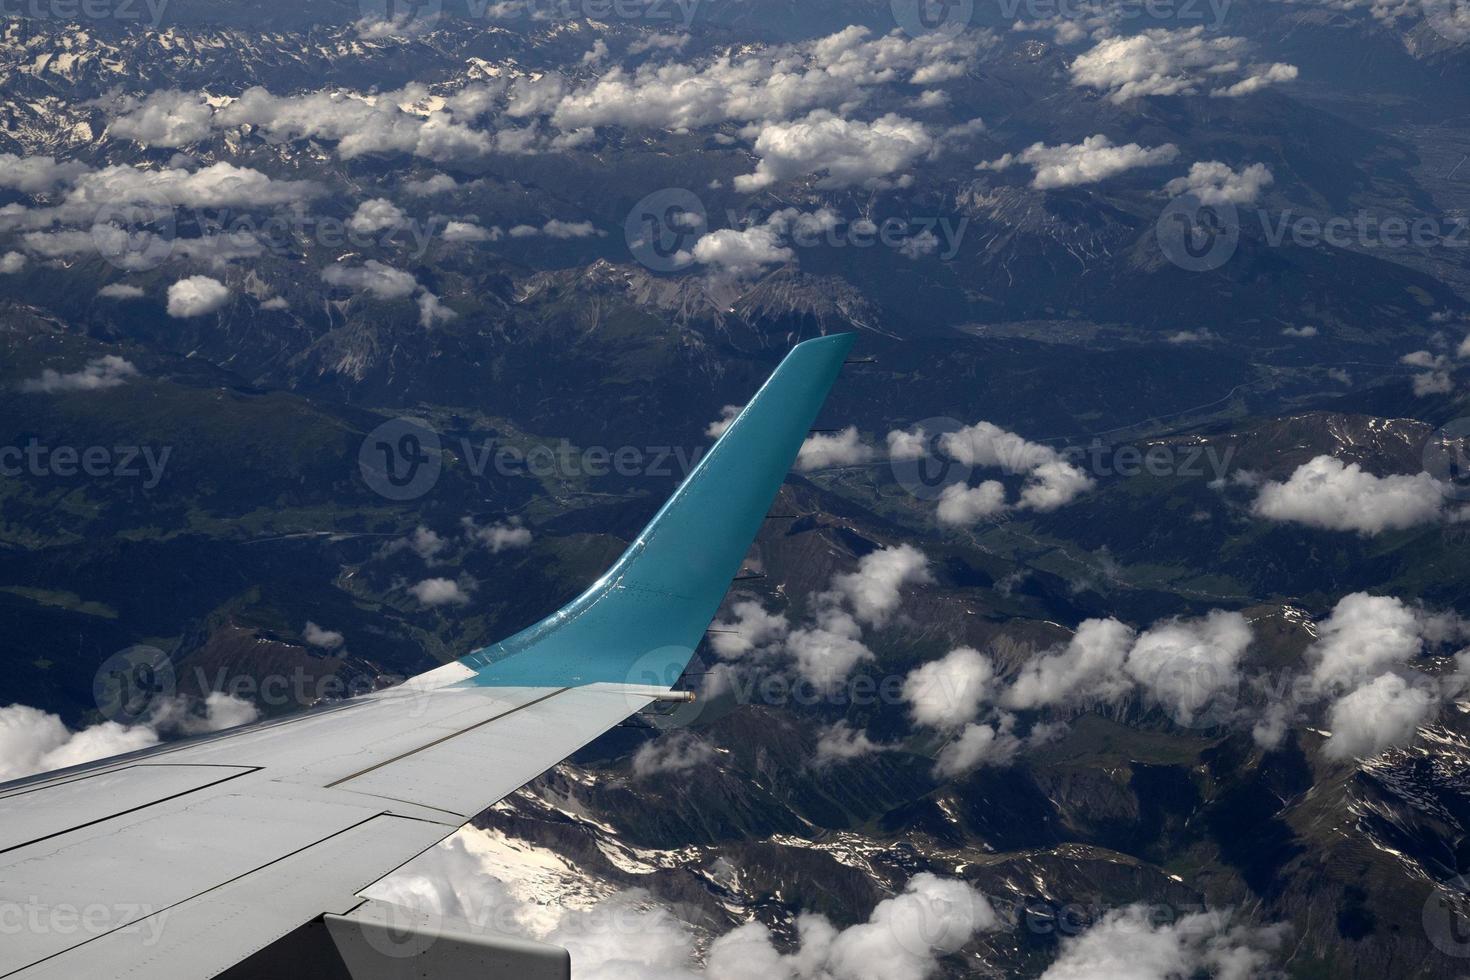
[[641, 622]]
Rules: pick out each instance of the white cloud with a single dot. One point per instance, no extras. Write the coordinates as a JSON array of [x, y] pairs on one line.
[[1301, 332], [965, 506], [1173, 62], [672, 752], [434, 184], [741, 252], [376, 214], [322, 638], [33, 741], [1051, 482], [107, 371], [949, 692], [1216, 183], [752, 631], [120, 290], [1185, 664], [196, 296], [727, 415], [845, 151], [975, 746], [828, 651], [11, 263], [38, 174], [759, 83], [439, 592], [823, 450], [1436, 380], [432, 311], [1383, 713], [1133, 944], [426, 543], [465, 231], [1364, 635], [556, 228], [875, 589], [275, 303], [505, 536], [1094, 159], [166, 117], [1090, 665], [1328, 493], [382, 281], [841, 742]]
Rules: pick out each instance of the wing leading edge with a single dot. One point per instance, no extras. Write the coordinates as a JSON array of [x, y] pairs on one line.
[[257, 842]]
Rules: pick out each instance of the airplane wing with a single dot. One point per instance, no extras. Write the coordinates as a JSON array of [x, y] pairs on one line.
[[242, 854]]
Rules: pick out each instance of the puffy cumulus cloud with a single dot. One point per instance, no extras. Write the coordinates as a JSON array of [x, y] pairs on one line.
[[120, 290], [1217, 183], [425, 542], [949, 692], [555, 228], [1365, 634], [429, 186], [844, 151], [466, 231], [11, 263], [38, 174], [1436, 378], [874, 590], [1361, 665], [727, 416], [762, 83], [1257, 78], [1181, 664], [823, 450], [1089, 665], [404, 121], [166, 117], [33, 741], [1131, 943], [196, 296], [965, 506], [628, 935], [1185, 664], [432, 310], [751, 630], [107, 371], [1173, 62], [506, 535], [978, 745], [1051, 482], [1328, 493], [1382, 713], [1094, 159], [673, 752], [381, 281], [440, 592], [377, 214], [322, 638], [829, 650], [739, 252], [841, 742]]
